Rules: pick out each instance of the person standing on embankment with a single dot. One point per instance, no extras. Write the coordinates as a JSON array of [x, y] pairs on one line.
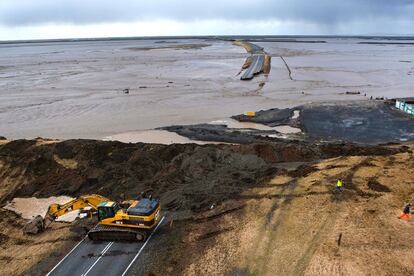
[[406, 212], [339, 185]]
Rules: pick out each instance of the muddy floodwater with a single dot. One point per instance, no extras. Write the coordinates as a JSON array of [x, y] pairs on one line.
[[76, 89]]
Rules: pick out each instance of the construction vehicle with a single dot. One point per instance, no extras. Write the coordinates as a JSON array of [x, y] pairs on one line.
[[129, 220]]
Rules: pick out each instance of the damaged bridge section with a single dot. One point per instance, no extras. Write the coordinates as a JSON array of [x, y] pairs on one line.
[[258, 62]]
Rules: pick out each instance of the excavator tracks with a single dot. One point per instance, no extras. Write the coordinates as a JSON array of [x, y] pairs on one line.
[[114, 233]]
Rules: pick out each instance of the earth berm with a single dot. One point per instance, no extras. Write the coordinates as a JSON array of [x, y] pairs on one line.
[[261, 209]]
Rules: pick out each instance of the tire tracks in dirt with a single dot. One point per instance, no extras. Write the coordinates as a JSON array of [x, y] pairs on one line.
[[277, 212], [323, 231], [281, 210], [326, 225]]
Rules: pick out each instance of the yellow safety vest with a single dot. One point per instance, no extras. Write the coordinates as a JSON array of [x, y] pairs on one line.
[[339, 183]]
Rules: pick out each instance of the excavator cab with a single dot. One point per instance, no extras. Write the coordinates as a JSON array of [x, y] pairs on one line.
[[107, 209]]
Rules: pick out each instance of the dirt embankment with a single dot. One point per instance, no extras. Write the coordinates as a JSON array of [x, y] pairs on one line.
[[297, 225], [229, 206], [267, 64], [118, 170], [246, 45]]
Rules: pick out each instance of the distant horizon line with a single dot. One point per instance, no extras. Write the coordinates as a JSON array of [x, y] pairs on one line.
[[221, 37]]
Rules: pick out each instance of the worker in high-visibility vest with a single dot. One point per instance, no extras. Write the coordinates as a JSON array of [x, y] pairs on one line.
[[406, 212], [339, 185]]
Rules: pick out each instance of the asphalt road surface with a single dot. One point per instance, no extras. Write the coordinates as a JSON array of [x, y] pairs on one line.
[[101, 258], [254, 68]]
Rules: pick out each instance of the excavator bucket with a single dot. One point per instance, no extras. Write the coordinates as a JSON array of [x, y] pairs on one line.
[[34, 226], [37, 225], [55, 210]]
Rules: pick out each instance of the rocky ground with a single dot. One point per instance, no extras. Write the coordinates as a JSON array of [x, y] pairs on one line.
[[261, 209]]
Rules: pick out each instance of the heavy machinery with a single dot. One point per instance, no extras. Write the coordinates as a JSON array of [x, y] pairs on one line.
[[129, 220]]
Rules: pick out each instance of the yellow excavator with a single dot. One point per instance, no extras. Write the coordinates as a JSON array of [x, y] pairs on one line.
[[129, 220]]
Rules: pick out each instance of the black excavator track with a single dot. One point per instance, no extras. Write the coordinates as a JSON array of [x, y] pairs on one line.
[[114, 233]]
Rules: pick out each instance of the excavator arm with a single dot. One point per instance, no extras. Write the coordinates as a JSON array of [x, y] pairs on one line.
[[39, 223]]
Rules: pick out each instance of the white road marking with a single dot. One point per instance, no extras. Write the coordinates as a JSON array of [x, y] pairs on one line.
[[102, 254], [142, 248], [65, 256]]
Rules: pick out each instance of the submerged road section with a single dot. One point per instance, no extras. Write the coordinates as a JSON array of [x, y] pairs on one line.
[[101, 258]]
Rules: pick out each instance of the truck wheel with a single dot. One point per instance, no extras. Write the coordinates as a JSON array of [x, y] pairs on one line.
[[140, 237]]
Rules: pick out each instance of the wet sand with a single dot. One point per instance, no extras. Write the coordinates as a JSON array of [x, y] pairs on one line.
[[31, 207], [74, 89], [154, 136], [231, 123]]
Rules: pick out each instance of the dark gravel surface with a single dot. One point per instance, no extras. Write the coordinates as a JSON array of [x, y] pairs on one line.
[[271, 117], [367, 122]]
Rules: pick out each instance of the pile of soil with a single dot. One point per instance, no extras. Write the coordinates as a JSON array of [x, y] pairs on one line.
[[121, 171], [296, 224], [117, 170]]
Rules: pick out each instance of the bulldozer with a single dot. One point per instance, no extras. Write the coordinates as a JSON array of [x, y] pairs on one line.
[[128, 220]]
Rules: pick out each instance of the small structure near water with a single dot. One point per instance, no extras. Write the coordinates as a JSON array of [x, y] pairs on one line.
[[406, 105]]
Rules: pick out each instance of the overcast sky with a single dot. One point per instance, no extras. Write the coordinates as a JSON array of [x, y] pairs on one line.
[[35, 19]]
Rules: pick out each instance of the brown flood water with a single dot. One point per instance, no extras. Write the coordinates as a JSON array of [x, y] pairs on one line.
[[75, 89]]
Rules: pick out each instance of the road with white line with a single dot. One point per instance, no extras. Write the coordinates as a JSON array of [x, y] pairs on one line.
[[256, 66], [101, 258]]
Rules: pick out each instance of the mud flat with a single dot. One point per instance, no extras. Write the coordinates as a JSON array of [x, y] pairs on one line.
[[153, 136], [75, 89], [175, 46]]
